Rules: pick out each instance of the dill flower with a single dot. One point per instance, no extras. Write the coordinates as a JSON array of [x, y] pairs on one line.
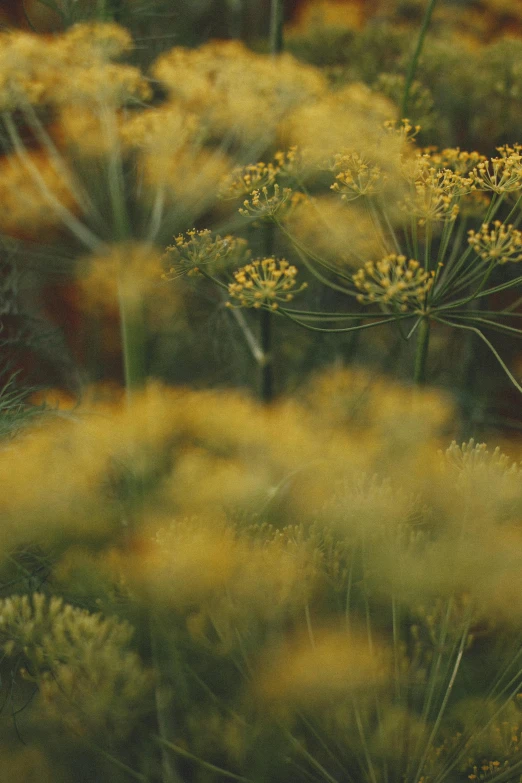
[[350, 118], [25, 70], [127, 268], [264, 283], [201, 248], [87, 676], [188, 177], [332, 666], [245, 179], [102, 84], [27, 186], [163, 129], [459, 161], [183, 564], [497, 242], [82, 130], [36, 71], [403, 129], [436, 193], [236, 91], [95, 40], [356, 177], [500, 175], [268, 204], [394, 279], [336, 230]]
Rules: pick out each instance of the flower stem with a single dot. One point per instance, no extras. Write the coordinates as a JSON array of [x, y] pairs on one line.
[[267, 370], [421, 352], [412, 68], [133, 342], [276, 26]]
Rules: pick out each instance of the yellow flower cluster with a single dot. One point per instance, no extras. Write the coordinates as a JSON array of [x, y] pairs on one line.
[[201, 248], [497, 242], [393, 280], [436, 193], [245, 179], [267, 204], [235, 90], [331, 666], [29, 186], [339, 231], [403, 129], [71, 67], [170, 144], [460, 161], [127, 269], [356, 177], [347, 119], [264, 283], [87, 676], [499, 175]]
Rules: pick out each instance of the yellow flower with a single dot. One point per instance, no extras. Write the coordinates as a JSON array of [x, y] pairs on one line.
[[264, 283], [497, 242], [269, 204], [331, 665], [393, 280], [196, 249], [129, 269], [28, 187]]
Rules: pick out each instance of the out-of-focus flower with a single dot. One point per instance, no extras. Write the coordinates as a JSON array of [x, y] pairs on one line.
[[333, 664]]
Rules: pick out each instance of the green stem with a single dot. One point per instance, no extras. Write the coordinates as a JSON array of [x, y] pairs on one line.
[[132, 340], [266, 389], [205, 764], [412, 68], [267, 369], [421, 353], [276, 26]]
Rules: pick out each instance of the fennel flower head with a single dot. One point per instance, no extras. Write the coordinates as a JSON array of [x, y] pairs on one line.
[[265, 283], [394, 280]]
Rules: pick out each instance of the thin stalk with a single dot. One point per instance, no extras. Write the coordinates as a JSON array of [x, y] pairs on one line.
[[421, 353], [276, 26], [266, 384], [267, 368], [132, 341], [392, 319], [412, 68], [164, 716], [117, 763], [75, 226], [490, 346], [427, 245], [205, 764], [444, 703]]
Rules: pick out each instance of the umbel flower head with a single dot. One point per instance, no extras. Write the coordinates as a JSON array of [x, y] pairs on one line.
[[264, 283], [245, 179], [268, 204], [196, 249], [497, 242], [357, 177], [393, 279]]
